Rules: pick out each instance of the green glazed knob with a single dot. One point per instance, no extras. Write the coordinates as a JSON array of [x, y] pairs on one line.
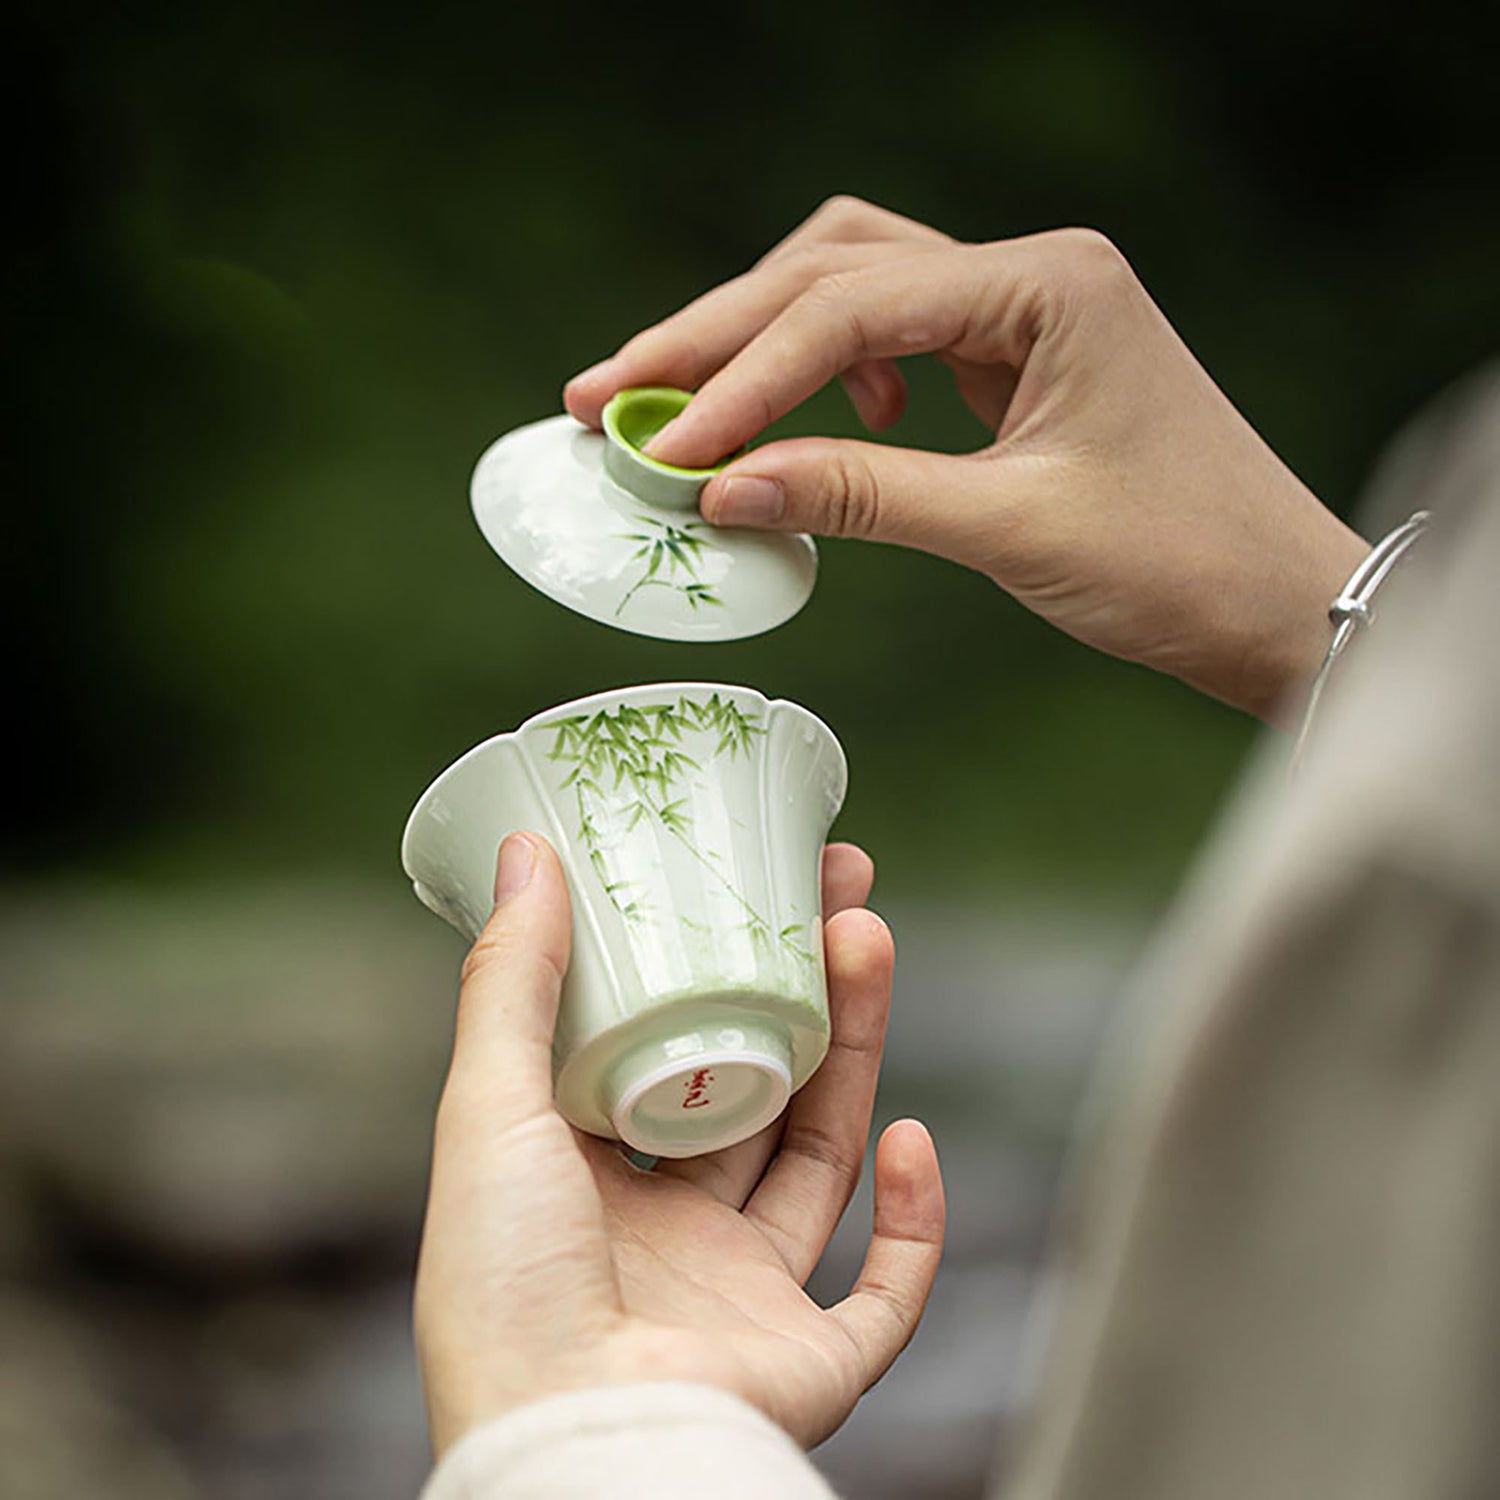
[[631, 419]]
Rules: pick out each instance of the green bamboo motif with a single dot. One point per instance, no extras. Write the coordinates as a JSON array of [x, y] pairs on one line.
[[639, 752], [675, 549]]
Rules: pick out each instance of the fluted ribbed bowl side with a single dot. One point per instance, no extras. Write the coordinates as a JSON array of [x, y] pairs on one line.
[[690, 818]]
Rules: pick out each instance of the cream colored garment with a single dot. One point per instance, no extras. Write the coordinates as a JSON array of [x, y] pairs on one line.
[[1289, 1280], [628, 1440], [1287, 1283]]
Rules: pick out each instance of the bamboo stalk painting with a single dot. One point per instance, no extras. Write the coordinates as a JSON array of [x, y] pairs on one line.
[[630, 764]]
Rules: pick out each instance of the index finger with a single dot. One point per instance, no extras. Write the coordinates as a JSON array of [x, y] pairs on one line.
[[686, 348], [914, 303]]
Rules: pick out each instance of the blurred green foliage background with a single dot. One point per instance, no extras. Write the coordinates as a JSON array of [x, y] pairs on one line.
[[285, 270]]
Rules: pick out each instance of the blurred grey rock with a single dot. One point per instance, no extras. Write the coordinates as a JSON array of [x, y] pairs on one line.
[[312, 1396], [63, 1433], [226, 1075]]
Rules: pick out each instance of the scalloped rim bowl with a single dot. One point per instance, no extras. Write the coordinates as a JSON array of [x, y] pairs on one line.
[[690, 819]]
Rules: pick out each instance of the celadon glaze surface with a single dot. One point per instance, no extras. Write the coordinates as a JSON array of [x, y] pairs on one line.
[[546, 502], [631, 420], [690, 819]]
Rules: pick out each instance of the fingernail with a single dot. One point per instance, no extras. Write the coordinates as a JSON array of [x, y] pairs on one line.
[[746, 501], [514, 869], [864, 395]]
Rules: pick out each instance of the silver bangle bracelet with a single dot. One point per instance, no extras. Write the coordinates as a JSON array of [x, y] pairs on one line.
[[1352, 611]]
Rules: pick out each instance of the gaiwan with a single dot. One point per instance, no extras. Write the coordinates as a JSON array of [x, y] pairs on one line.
[[690, 819]]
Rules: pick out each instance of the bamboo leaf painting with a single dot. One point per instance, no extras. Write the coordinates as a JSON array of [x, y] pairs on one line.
[[672, 554], [643, 753]]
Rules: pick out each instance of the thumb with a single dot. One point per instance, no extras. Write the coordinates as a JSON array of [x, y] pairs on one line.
[[936, 501], [512, 980]]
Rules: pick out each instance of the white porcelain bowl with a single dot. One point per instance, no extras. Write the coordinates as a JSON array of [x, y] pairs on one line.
[[690, 818]]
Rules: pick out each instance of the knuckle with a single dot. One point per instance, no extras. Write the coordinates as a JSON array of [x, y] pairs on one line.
[[832, 304], [760, 401], [499, 949], [553, 965], [903, 1311], [803, 266], [842, 211], [1095, 257], [853, 496], [478, 960], [830, 292], [825, 1150]]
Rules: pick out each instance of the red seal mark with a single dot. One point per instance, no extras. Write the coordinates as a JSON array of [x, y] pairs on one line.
[[697, 1089]]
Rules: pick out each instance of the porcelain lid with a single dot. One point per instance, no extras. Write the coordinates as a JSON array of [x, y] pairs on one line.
[[597, 525]]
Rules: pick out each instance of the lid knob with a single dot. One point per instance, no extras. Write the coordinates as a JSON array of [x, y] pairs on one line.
[[631, 419]]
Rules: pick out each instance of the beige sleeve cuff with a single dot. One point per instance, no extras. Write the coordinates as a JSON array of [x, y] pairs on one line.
[[662, 1439]]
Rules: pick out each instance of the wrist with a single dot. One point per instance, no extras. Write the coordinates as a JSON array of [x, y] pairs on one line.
[[1280, 660], [457, 1405]]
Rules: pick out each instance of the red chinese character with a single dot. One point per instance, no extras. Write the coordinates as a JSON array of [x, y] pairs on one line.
[[697, 1089]]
